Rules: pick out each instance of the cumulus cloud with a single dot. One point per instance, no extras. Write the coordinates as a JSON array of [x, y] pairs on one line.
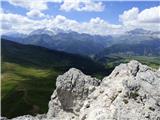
[[151, 15], [67, 5], [129, 15], [35, 13], [93, 26], [35, 7], [25, 25], [40, 5], [17, 23], [130, 19], [101, 27], [79, 5], [147, 19]]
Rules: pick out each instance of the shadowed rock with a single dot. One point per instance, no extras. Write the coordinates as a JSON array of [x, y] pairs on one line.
[[130, 92]]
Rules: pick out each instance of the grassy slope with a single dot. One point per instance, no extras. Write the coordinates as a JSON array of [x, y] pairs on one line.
[[29, 75], [115, 59], [25, 90]]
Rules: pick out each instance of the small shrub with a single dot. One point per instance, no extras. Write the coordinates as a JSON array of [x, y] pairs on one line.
[[133, 95], [125, 101]]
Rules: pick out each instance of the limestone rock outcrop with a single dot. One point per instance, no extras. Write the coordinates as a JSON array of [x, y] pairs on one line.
[[73, 88], [130, 92]]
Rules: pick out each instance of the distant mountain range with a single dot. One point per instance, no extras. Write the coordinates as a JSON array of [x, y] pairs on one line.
[[80, 43], [71, 42]]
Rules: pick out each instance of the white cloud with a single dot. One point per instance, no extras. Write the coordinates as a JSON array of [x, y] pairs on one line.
[[17, 23], [101, 27], [22, 24], [35, 7], [151, 15], [79, 5], [35, 13], [129, 15], [39, 5], [146, 19], [131, 19], [93, 26], [32, 4]]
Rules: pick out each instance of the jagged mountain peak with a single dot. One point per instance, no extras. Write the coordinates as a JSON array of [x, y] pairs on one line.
[[42, 31], [140, 31], [15, 35], [48, 31]]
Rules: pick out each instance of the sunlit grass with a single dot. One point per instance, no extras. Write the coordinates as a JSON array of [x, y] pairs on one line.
[[26, 89], [115, 60]]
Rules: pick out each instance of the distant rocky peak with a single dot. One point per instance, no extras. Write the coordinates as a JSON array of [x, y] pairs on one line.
[[139, 31], [48, 31], [42, 31], [143, 32]]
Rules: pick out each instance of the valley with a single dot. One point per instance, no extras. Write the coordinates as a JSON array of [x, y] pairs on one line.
[[112, 61], [80, 60], [29, 74], [31, 65]]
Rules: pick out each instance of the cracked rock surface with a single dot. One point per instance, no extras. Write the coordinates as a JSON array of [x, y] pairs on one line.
[[130, 92]]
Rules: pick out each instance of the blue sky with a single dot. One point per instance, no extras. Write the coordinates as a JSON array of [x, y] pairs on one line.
[[112, 14], [111, 11]]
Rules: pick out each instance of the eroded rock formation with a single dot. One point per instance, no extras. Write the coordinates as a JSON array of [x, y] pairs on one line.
[[131, 92]]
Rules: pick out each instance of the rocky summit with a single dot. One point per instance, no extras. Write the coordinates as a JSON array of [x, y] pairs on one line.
[[130, 92]]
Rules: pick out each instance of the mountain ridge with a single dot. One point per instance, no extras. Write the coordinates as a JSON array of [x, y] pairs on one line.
[[71, 42], [12, 48], [81, 43]]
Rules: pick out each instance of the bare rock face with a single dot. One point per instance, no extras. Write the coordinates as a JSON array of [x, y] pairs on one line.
[[131, 92], [72, 90]]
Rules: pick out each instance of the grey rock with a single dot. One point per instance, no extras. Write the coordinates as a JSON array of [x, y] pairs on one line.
[[130, 92], [3, 118], [25, 117], [73, 87]]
